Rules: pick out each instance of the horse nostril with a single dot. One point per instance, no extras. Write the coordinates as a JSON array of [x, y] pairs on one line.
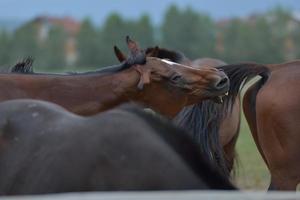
[[222, 82]]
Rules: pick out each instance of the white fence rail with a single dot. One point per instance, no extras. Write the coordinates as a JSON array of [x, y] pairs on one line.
[[169, 195]]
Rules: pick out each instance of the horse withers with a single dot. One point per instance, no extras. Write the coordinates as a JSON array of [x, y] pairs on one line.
[[46, 149]]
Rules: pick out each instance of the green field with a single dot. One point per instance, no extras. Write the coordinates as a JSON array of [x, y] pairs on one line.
[[251, 172]]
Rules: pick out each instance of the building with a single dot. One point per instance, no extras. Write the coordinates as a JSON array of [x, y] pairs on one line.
[[68, 24]]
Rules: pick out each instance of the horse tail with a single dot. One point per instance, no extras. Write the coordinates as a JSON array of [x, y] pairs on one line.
[[202, 121], [23, 67], [254, 90], [239, 75]]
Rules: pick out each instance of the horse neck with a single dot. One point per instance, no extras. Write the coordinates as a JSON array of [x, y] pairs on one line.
[[113, 89], [81, 94]]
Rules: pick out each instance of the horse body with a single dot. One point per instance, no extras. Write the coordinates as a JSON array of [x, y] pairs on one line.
[[84, 95], [213, 125], [50, 150], [230, 123], [92, 92], [272, 110]]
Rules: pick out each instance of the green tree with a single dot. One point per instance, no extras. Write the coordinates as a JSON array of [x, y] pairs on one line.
[[279, 18], [143, 31], [296, 38], [88, 41], [249, 40], [113, 32], [24, 42], [189, 31], [5, 50], [52, 54]]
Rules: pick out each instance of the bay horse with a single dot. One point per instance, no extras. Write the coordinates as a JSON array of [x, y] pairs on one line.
[[136, 79], [51, 150], [229, 126], [272, 110], [215, 126]]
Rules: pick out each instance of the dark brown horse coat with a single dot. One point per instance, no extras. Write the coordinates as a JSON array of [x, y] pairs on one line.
[[272, 109], [46, 149]]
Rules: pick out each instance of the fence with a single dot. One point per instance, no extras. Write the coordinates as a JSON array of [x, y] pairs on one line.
[[165, 195]]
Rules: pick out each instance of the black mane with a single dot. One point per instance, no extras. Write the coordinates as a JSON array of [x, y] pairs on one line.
[[203, 120], [239, 74], [24, 67], [174, 56]]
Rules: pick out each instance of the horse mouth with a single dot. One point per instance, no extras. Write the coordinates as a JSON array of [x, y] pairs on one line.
[[219, 99]]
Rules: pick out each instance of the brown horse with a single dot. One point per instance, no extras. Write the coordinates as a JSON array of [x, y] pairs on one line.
[[50, 150], [272, 109], [215, 126], [230, 123], [136, 79]]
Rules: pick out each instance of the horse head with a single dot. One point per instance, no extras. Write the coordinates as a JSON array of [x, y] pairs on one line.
[[195, 84]]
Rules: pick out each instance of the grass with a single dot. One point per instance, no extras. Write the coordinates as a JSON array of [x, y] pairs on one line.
[[251, 171]]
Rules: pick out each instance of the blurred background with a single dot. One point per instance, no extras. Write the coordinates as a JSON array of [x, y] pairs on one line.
[[76, 34], [65, 35]]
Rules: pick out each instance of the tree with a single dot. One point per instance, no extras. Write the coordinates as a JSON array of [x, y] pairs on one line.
[[5, 50], [113, 32], [249, 40], [143, 31], [24, 42], [52, 54], [190, 32], [88, 41]]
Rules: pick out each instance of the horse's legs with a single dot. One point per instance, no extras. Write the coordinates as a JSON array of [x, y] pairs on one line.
[[280, 183], [229, 132], [250, 114], [230, 153], [278, 135]]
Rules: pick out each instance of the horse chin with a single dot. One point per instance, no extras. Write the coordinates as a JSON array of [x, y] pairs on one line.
[[219, 99]]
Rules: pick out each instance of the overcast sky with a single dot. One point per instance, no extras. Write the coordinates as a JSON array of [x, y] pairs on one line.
[[97, 10]]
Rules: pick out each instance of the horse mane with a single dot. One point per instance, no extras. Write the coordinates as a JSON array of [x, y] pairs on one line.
[[136, 58], [203, 119], [174, 56], [239, 74], [23, 67], [184, 145], [26, 69]]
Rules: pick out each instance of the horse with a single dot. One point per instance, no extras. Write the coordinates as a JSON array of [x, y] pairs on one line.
[[136, 79], [229, 126], [48, 149], [272, 110], [215, 126]]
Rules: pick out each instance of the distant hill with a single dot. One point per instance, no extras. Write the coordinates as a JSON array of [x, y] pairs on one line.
[[10, 24]]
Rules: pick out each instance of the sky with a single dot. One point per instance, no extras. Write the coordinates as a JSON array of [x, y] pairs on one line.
[[97, 10]]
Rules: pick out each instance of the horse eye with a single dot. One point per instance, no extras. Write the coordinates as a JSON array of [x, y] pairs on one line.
[[176, 78]]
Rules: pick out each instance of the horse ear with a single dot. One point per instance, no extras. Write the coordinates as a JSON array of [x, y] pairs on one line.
[[121, 57], [144, 76], [132, 45]]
